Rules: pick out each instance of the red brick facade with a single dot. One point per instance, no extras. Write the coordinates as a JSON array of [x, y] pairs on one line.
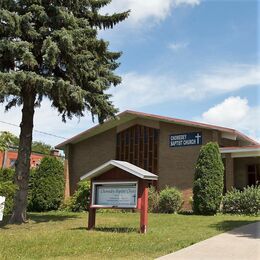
[[8, 158]]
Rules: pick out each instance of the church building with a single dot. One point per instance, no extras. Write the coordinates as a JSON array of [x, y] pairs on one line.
[[167, 147]]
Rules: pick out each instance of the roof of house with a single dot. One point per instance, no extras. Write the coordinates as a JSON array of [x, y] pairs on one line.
[[129, 115], [128, 167]]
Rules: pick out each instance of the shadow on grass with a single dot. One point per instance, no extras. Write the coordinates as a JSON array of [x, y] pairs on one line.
[[110, 229], [50, 217], [117, 229], [4, 222], [239, 227], [186, 213], [40, 218]]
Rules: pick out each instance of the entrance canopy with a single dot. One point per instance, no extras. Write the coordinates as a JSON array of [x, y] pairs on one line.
[[244, 151], [125, 166]]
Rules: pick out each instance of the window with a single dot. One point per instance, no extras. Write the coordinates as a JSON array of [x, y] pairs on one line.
[[12, 163], [253, 174], [139, 145]]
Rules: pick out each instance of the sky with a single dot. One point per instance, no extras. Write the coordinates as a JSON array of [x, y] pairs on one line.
[[188, 59]]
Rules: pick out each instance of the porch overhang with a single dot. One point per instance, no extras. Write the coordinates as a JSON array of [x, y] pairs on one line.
[[241, 152]]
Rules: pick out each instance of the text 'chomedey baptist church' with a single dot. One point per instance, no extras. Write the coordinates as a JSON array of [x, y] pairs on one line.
[[179, 140]]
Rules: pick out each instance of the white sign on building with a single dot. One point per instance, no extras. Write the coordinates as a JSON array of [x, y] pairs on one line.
[[116, 194], [2, 206]]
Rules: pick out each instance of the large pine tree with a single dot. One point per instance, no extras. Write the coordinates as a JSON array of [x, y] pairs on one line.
[[49, 49]]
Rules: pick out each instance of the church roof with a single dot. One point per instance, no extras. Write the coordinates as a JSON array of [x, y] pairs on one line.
[[129, 115]]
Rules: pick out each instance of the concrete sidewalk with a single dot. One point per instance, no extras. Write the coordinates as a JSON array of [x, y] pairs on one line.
[[237, 244]]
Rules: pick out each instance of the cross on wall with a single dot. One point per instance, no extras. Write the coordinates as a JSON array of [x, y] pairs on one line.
[[198, 136]]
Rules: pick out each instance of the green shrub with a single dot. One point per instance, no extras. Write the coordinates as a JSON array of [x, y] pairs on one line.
[[7, 189], [153, 200], [80, 199], [242, 202], [170, 200], [30, 189], [209, 180], [7, 174], [47, 185]]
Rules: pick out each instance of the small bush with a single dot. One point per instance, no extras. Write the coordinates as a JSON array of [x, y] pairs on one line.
[[242, 202], [153, 200], [208, 180], [47, 185], [7, 189], [80, 199], [7, 174], [170, 200]]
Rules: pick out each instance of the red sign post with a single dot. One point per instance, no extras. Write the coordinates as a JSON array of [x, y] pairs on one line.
[[143, 206]]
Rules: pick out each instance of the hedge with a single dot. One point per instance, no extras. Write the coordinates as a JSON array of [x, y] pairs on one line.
[[242, 202]]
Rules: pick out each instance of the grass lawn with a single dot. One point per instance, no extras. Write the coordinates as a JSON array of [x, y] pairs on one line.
[[64, 236]]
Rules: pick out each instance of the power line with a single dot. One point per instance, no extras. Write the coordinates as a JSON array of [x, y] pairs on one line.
[[35, 130]]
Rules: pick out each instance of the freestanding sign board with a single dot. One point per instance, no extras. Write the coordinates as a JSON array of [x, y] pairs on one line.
[[2, 207], [119, 185]]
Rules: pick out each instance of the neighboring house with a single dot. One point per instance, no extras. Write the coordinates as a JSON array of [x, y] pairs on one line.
[[8, 158], [165, 146]]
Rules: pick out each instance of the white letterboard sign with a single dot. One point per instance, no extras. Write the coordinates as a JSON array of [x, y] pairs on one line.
[[119, 195]]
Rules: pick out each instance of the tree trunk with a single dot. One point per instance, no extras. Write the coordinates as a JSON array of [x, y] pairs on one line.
[[22, 168]]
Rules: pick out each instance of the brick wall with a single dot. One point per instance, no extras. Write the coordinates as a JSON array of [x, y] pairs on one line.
[[89, 154], [177, 165]]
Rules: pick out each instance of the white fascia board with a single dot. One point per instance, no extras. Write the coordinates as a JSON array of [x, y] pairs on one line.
[[240, 153], [242, 150], [229, 136], [245, 154]]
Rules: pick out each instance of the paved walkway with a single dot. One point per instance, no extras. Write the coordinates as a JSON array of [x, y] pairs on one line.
[[242, 243]]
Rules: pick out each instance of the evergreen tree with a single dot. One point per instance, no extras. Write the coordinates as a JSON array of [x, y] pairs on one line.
[[7, 139], [41, 147], [49, 49], [209, 180]]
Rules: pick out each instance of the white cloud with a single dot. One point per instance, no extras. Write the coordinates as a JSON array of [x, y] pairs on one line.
[[142, 10], [229, 112], [235, 112], [176, 46], [139, 90]]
